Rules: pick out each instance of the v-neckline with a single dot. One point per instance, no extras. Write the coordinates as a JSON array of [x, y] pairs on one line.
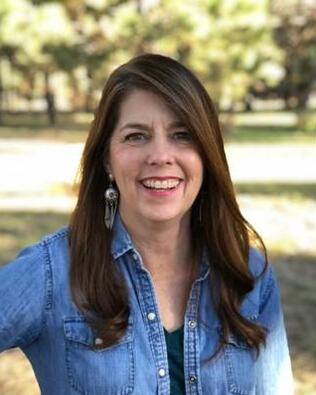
[[174, 331]]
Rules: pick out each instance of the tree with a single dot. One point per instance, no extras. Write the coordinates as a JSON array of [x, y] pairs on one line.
[[295, 34], [233, 43], [26, 29]]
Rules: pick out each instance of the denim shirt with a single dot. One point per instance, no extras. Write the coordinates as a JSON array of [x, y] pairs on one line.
[[38, 315]]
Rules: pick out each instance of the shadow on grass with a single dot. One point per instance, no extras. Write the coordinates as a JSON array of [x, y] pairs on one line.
[[39, 120], [268, 134], [70, 127], [288, 190], [296, 275]]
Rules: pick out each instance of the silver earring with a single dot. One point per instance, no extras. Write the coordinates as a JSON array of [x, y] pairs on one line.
[[111, 198]]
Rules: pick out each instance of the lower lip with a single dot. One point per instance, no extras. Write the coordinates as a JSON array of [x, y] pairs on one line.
[[161, 192]]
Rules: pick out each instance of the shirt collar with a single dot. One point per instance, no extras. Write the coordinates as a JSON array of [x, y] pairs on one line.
[[121, 241], [204, 268]]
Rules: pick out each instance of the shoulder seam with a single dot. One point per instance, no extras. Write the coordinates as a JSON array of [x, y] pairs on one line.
[[55, 236], [48, 278], [268, 289]]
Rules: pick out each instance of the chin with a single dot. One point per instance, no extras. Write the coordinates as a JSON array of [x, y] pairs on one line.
[[163, 215]]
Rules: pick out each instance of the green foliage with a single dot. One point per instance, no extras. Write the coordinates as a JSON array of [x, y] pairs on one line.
[[295, 34], [229, 43], [236, 43]]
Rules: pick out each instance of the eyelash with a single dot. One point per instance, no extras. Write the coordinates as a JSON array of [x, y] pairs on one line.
[[135, 137], [184, 135]]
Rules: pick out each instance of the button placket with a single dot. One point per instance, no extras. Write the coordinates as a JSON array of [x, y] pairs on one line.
[[191, 343], [157, 341]]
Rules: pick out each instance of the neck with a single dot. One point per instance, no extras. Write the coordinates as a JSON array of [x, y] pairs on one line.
[[164, 245]]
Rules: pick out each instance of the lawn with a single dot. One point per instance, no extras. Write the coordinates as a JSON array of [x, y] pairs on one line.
[[254, 127], [283, 211]]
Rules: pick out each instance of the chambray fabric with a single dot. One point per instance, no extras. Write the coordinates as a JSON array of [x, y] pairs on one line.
[[38, 315]]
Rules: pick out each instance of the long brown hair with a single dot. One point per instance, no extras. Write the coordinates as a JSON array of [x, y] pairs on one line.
[[97, 289]]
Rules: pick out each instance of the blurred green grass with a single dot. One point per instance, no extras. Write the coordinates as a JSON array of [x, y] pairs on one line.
[[70, 127], [271, 127], [293, 191]]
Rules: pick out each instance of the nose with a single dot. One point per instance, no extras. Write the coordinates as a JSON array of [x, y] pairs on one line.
[[160, 152]]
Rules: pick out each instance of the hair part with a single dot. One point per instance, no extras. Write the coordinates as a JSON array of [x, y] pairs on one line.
[[97, 288]]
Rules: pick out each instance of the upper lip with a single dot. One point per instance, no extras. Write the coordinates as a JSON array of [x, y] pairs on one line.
[[161, 178]]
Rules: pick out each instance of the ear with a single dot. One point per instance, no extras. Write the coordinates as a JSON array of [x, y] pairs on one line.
[[107, 167]]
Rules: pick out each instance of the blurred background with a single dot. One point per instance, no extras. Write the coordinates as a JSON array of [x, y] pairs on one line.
[[257, 58]]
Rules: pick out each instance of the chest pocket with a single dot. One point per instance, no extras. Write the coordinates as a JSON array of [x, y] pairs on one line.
[[240, 362], [240, 359], [108, 371]]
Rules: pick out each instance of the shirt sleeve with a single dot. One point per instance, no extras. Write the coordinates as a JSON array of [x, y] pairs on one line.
[[274, 375], [22, 298]]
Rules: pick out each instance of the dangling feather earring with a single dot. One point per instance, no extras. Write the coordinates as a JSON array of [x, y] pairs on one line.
[[111, 198]]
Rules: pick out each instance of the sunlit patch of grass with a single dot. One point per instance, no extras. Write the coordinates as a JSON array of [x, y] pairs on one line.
[[18, 229], [17, 377], [8, 242], [62, 189]]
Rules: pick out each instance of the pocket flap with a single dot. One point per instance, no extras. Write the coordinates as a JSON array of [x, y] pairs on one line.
[[233, 340], [77, 329]]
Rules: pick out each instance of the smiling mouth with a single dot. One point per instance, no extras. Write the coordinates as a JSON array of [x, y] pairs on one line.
[[162, 185]]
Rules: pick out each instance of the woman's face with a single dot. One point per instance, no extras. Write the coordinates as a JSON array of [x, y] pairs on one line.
[[154, 161]]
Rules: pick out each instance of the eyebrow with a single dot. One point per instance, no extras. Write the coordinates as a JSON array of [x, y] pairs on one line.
[[145, 127]]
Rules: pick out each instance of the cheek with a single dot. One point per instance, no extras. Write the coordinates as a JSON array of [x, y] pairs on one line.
[[124, 166], [195, 166]]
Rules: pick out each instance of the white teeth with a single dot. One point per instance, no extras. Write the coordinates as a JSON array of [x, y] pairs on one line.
[[165, 184]]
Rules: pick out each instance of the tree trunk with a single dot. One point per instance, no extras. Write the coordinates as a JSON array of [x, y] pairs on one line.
[[76, 101], [89, 105], [50, 101], [1, 93]]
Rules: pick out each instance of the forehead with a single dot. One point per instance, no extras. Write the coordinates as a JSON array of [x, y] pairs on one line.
[[147, 106]]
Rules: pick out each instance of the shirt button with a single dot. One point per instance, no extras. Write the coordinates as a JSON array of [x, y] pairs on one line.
[[192, 324], [192, 379], [151, 316], [135, 256], [98, 341], [162, 372]]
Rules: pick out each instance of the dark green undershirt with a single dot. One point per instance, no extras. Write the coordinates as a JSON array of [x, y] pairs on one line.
[[174, 342]]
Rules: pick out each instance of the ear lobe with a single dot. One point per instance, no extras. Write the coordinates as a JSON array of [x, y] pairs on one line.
[[107, 168]]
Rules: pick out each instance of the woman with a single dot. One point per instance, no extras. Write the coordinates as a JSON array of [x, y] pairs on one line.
[[155, 287]]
